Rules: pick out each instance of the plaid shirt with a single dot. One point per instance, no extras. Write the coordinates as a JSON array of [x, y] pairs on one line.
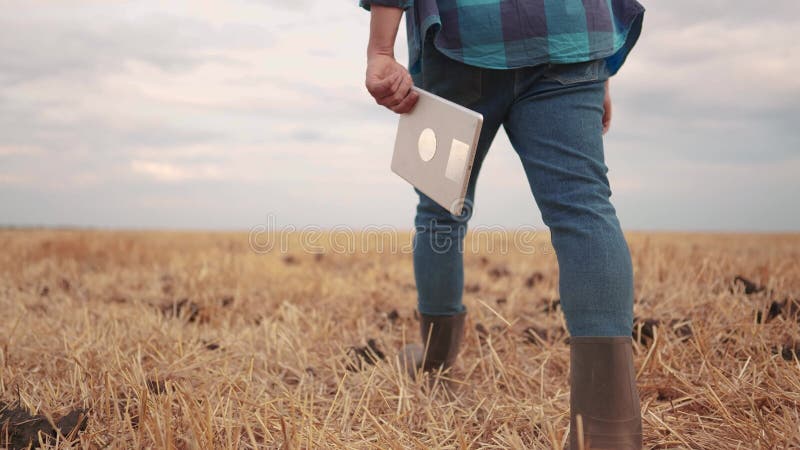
[[506, 34]]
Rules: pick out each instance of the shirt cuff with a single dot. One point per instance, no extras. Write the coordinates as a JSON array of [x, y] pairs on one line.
[[402, 4]]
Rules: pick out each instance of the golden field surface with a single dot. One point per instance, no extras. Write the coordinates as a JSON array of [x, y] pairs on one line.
[[200, 340]]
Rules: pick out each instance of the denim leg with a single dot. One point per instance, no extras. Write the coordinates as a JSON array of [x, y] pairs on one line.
[[556, 129], [439, 243], [438, 261], [439, 236]]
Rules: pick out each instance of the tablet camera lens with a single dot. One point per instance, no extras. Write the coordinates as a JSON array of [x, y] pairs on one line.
[[427, 144]]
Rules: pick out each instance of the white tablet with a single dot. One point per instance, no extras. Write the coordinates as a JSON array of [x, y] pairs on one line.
[[435, 148]]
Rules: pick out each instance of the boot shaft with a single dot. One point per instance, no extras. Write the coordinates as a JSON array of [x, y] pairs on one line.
[[604, 402], [442, 336]]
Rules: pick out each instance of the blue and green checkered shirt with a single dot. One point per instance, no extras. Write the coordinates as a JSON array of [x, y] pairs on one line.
[[506, 34]]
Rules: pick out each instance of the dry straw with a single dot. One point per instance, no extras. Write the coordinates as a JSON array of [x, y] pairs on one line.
[[192, 340]]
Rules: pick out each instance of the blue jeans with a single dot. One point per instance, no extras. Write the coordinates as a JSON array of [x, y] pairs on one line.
[[553, 117]]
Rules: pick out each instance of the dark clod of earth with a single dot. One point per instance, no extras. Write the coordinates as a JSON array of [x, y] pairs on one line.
[[393, 315], [534, 279], [19, 429], [483, 333], [668, 394], [788, 353], [472, 288], [788, 309], [684, 330], [749, 286], [182, 308], [535, 335], [498, 272], [360, 356], [157, 386], [551, 305], [644, 329]]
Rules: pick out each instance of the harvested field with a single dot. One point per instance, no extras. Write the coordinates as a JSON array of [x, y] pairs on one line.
[[196, 340]]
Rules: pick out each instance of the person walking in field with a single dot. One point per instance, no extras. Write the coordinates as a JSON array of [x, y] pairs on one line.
[[539, 68]]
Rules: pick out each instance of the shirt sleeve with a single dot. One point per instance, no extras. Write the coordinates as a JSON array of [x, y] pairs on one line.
[[402, 4]]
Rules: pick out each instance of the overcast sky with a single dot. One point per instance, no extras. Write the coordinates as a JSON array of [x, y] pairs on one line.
[[219, 114]]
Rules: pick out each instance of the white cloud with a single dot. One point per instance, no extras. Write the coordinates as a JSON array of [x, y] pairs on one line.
[[247, 106], [172, 173], [18, 150], [11, 179]]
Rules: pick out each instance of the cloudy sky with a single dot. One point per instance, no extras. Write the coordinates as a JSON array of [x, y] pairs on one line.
[[220, 114]]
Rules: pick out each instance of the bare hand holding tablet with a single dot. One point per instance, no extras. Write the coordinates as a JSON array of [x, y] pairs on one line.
[[435, 147]]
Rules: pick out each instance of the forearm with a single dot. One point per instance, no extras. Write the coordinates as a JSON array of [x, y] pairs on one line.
[[387, 80], [383, 30]]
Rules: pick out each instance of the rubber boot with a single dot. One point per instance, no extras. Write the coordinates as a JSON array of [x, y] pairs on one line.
[[443, 336], [604, 403]]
